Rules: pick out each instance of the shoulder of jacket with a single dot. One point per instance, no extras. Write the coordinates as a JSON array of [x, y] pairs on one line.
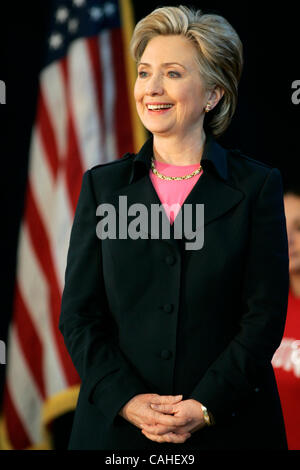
[[249, 174], [118, 161], [239, 155]]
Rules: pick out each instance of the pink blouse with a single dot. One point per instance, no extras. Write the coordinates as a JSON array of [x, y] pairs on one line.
[[173, 193]]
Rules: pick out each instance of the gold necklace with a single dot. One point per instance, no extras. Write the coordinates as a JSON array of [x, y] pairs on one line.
[[173, 178]]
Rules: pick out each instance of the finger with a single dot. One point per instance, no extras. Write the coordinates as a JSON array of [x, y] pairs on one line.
[[158, 429], [169, 420], [154, 437], [163, 408], [168, 437], [158, 399], [177, 438]]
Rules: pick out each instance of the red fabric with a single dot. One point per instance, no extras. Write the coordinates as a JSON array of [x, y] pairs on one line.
[[286, 363]]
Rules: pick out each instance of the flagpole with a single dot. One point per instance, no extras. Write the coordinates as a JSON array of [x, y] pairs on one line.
[[126, 11]]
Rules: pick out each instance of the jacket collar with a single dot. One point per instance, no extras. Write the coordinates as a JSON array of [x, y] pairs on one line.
[[214, 156], [213, 188]]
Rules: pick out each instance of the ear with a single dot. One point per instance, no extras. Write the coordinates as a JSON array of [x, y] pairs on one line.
[[215, 95]]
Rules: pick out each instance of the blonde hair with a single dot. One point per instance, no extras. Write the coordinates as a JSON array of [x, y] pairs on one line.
[[219, 53]]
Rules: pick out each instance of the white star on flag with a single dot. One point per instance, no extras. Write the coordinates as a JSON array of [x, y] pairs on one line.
[[62, 14], [78, 3], [55, 40], [96, 13], [109, 9]]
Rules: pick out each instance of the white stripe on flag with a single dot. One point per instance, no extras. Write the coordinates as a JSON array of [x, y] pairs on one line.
[[52, 85], [22, 389], [84, 105], [42, 182], [61, 228], [109, 95]]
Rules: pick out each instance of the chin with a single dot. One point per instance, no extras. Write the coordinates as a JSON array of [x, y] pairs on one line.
[[156, 129]]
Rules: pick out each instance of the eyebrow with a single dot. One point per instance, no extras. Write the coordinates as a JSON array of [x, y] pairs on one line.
[[166, 64]]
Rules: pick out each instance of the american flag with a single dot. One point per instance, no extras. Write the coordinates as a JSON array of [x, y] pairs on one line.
[[85, 116]]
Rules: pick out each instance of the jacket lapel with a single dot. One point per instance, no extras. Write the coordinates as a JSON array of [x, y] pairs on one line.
[[215, 194], [212, 189], [141, 194]]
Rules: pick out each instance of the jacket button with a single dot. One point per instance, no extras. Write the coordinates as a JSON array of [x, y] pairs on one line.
[[165, 354], [170, 260], [168, 308]]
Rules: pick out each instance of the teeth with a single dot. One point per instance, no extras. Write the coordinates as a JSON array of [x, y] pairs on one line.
[[159, 106]]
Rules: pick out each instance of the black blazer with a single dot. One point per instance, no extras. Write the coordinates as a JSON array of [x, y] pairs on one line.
[[149, 316]]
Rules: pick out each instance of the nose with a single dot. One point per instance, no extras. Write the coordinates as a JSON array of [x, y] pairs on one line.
[[155, 85]]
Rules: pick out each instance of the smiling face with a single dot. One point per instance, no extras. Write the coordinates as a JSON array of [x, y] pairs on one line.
[[169, 92], [292, 214]]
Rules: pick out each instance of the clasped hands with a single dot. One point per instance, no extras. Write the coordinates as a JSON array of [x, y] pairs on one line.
[[164, 418]]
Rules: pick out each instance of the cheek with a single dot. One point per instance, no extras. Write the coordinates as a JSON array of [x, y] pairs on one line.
[[190, 108], [191, 100], [137, 92], [296, 237]]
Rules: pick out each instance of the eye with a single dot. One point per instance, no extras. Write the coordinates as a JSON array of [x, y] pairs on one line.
[[142, 74], [174, 74]]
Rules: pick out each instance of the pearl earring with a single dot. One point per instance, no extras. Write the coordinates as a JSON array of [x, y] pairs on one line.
[[207, 107]]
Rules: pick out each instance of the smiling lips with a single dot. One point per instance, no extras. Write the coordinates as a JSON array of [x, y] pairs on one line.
[[162, 107]]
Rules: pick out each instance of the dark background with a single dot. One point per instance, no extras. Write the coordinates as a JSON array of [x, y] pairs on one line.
[[265, 126]]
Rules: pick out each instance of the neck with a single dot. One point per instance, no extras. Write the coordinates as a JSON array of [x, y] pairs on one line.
[[295, 283], [179, 151]]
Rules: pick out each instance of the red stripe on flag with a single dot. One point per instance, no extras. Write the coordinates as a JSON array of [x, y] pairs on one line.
[[47, 133], [30, 342], [73, 163], [123, 126], [16, 433]]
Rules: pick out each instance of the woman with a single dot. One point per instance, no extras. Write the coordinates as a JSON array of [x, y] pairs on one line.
[[286, 360], [173, 339]]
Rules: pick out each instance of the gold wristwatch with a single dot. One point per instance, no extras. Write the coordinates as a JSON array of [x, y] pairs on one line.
[[208, 418]]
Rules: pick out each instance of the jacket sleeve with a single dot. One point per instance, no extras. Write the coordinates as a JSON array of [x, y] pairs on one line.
[[232, 378], [89, 331]]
